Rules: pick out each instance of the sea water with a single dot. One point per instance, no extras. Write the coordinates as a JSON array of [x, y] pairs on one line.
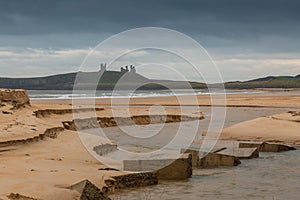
[[68, 94]]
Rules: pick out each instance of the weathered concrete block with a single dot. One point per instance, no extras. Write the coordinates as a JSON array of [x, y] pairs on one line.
[[241, 153], [195, 156], [103, 149], [167, 169], [132, 180], [181, 168], [266, 147], [211, 159], [88, 191], [217, 160]]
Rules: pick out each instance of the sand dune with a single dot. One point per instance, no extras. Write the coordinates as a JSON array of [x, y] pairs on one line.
[[283, 128]]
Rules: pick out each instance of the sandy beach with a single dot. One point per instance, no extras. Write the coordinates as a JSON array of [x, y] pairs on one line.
[[44, 168], [280, 98]]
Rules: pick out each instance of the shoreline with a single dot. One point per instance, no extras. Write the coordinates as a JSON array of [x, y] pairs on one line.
[[277, 99]]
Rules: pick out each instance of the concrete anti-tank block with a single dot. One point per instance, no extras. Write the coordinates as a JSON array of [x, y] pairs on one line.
[[267, 147], [208, 160], [241, 153], [167, 169]]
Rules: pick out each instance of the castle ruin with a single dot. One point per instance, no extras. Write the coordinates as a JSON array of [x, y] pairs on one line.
[[122, 69], [125, 70]]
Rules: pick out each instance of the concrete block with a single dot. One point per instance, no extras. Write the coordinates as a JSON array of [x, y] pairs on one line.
[[218, 160], [103, 149], [267, 147], [167, 169], [132, 180], [241, 153], [195, 156], [209, 160], [88, 191]]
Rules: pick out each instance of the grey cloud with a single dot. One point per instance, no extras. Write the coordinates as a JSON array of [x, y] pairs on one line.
[[225, 27], [78, 23], [229, 18]]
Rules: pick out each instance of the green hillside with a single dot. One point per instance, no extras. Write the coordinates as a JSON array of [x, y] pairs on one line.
[[61, 81], [267, 82], [129, 80]]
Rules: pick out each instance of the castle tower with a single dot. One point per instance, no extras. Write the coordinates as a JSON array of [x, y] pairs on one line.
[[123, 70], [102, 67], [132, 69]]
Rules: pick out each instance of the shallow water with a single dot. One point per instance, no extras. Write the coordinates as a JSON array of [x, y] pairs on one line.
[[272, 176]]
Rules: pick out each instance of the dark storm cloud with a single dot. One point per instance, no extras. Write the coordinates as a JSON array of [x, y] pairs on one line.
[[221, 18], [247, 38]]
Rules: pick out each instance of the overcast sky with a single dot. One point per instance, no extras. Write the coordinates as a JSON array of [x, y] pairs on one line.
[[246, 38]]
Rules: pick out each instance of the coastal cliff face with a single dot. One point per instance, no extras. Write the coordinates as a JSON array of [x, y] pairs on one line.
[[16, 97]]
